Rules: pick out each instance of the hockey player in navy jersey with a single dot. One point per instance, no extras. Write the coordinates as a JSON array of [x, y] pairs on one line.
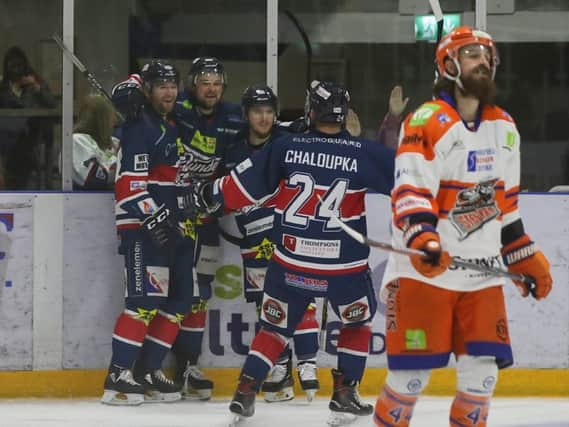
[[213, 123], [260, 110], [310, 178], [158, 274]]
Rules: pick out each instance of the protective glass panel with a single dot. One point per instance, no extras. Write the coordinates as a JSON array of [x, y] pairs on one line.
[[30, 94]]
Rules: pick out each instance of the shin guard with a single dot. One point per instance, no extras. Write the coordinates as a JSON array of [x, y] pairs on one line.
[[469, 410], [394, 409]]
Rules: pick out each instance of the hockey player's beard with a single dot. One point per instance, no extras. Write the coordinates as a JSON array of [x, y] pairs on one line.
[[482, 88]]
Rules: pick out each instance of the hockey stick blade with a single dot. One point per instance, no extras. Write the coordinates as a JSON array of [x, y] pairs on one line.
[[90, 77], [356, 235]]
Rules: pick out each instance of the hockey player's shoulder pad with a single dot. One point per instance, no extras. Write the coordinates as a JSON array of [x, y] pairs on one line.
[[424, 128], [493, 112], [128, 98]]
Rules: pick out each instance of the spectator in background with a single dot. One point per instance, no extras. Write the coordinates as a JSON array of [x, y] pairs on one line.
[[388, 132], [21, 86], [94, 148]]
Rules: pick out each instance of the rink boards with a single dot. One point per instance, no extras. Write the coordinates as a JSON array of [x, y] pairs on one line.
[[61, 290]]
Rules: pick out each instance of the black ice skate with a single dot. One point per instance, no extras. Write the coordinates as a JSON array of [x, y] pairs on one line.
[[243, 403], [278, 387], [346, 404], [195, 386], [308, 379], [160, 389], [121, 388]]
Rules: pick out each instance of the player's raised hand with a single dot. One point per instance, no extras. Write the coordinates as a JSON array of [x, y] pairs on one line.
[[396, 102]]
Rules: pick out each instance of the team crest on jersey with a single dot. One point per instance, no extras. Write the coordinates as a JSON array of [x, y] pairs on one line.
[[193, 164], [274, 311], [475, 206]]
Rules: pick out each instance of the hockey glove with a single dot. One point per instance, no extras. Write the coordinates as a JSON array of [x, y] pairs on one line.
[[162, 228], [201, 198], [522, 257], [424, 237], [128, 98]]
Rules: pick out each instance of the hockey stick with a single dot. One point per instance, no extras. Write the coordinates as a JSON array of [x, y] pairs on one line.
[[323, 324], [437, 11], [89, 76], [307, 44], [494, 271]]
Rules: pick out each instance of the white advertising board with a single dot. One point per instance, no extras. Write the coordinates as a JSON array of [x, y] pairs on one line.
[[16, 278], [93, 289]]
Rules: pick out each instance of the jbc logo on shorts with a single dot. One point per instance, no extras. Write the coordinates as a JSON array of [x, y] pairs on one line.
[[273, 311], [355, 312]]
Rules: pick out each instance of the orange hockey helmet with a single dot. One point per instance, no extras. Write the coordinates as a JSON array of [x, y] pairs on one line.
[[458, 38]]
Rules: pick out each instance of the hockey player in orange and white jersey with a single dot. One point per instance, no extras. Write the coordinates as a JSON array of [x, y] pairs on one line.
[[456, 192]]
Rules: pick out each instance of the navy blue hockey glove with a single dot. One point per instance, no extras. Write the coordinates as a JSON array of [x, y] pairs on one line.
[[162, 228], [128, 98], [201, 198]]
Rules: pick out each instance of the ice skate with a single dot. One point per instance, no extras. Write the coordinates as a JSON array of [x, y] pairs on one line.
[[242, 405], [346, 405], [195, 385], [121, 389], [278, 387], [308, 379], [160, 389]]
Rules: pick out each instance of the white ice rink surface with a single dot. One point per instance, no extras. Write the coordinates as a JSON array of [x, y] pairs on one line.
[[430, 412]]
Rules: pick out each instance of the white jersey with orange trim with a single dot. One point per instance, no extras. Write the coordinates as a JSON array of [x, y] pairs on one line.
[[468, 180]]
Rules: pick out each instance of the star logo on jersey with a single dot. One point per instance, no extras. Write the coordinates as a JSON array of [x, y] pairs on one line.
[[145, 316], [189, 228], [264, 249]]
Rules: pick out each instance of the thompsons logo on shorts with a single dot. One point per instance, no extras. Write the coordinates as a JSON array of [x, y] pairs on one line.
[[475, 206], [314, 248], [273, 311]]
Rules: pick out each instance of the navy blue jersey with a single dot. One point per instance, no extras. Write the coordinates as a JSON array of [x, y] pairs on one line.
[[210, 135], [255, 223], [147, 166], [309, 178]]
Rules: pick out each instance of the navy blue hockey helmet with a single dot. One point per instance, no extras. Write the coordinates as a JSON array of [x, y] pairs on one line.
[[158, 71], [206, 65], [328, 101], [259, 94]]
